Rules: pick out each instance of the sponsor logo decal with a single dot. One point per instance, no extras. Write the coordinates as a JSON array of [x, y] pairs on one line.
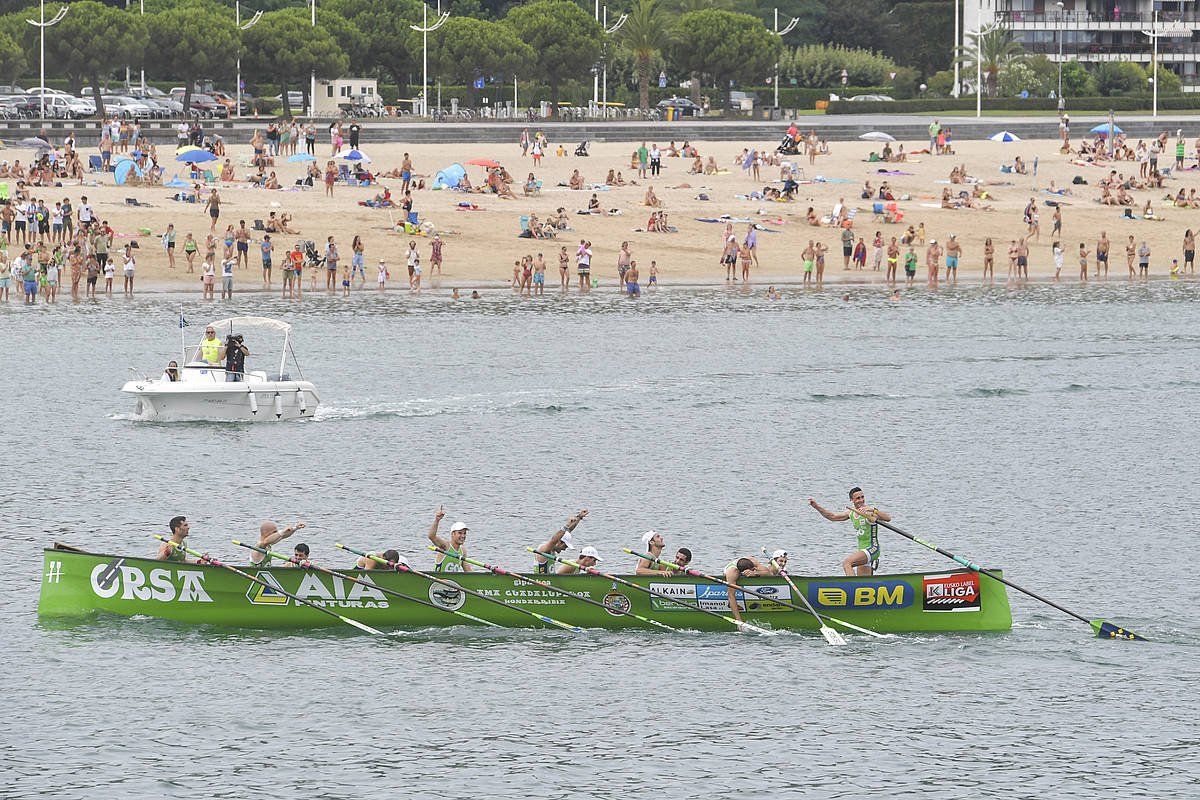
[[860, 594], [54, 572], [958, 592], [451, 598], [715, 597], [116, 580], [616, 603], [320, 590]]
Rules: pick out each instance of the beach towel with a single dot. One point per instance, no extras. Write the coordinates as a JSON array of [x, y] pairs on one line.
[[893, 172], [823, 179]]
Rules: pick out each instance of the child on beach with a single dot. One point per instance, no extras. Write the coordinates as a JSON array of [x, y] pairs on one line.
[[208, 278], [383, 275], [910, 266], [110, 271], [1057, 251], [415, 284], [653, 273], [744, 253], [1083, 262], [345, 280], [539, 275], [860, 254]]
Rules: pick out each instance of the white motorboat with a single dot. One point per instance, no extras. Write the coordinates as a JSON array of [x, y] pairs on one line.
[[207, 391]]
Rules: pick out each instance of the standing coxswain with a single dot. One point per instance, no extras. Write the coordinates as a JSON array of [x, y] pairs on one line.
[[864, 518], [560, 541], [453, 551]]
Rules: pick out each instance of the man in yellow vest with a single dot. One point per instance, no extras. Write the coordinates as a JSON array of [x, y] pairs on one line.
[[210, 350]]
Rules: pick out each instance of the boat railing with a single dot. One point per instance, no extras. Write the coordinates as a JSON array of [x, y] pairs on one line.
[[138, 374]]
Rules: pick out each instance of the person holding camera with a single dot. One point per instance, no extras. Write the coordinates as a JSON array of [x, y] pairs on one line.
[[235, 358]]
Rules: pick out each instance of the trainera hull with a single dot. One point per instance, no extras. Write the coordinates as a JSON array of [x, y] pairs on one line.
[[76, 584]]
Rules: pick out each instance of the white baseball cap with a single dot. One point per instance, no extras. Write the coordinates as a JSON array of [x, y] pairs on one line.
[[590, 552], [647, 536], [566, 540], [779, 554], [458, 526]]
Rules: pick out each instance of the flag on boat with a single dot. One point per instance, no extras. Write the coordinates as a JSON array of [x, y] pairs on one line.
[[183, 323]]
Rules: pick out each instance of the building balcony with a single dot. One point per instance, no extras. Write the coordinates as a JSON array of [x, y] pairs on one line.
[[1183, 52], [1092, 21]]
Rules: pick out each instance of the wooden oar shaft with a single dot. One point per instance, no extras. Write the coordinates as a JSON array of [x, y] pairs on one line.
[[516, 576], [463, 589], [390, 592], [660, 595], [207, 559]]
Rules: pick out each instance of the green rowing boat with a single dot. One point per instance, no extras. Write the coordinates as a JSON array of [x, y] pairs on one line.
[[78, 584]]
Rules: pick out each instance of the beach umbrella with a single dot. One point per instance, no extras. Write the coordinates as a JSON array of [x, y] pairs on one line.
[[354, 155], [300, 158], [34, 141], [1005, 136], [1102, 129], [877, 136], [484, 162], [187, 148], [195, 157]]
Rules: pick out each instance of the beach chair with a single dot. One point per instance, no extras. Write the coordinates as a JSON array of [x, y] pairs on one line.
[[95, 164], [877, 213], [258, 225], [894, 214], [209, 177], [524, 223], [3, 192], [344, 173]]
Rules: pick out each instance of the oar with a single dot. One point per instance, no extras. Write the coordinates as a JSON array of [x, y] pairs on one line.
[[833, 619], [525, 578], [592, 571], [465, 590], [392, 592], [1101, 627], [207, 559], [833, 637]]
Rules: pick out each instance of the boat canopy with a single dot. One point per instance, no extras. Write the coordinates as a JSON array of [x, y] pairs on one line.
[[250, 323]]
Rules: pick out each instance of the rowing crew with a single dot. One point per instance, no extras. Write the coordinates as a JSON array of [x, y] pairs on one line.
[[452, 552]]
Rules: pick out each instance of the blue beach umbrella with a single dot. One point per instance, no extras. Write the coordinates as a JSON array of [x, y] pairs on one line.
[[195, 157], [355, 155], [1004, 136], [300, 158], [1102, 129]]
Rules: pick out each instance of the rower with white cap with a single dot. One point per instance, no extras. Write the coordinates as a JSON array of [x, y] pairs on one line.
[[560, 541], [588, 557], [451, 559], [652, 543]]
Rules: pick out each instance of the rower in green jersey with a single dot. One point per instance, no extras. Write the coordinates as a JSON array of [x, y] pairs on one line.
[[864, 518], [268, 535], [560, 541], [455, 550], [748, 567], [179, 532]]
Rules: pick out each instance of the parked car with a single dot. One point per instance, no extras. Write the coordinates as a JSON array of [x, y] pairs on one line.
[[871, 98], [127, 107], [23, 105], [207, 106], [7, 91], [295, 99], [682, 105]]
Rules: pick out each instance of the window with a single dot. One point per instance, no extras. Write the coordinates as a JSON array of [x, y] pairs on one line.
[[329, 90]]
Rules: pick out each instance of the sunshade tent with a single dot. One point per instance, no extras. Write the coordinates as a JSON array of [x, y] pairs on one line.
[[450, 177], [123, 168], [877, 136], [1103, 128], [1004, 136]]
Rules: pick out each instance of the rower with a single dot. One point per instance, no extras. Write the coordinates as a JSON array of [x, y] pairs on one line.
[[179, 532], [652, 543], [453, 551], [392, 557], [299, 556], [560, 541], [269, 534], [683, 557], [748, 567], [210, 349], [864, 518], [588, 557], [778, 562]]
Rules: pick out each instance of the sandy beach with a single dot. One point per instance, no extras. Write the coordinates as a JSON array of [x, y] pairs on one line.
[[481, 245]]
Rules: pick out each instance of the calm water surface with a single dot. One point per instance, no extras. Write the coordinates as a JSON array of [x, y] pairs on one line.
[[1049, 431]]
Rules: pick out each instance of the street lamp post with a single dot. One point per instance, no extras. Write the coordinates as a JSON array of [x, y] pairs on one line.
[[312, 78], [957, 49], [604, 58], [781, 33], [1061, 33], [425, 29], [41, 25], [249, 24], [979, 66], [1154, 34]]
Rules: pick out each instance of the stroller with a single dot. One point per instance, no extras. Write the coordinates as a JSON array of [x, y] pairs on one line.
[[582, 149], [787, 147], [313, 256]]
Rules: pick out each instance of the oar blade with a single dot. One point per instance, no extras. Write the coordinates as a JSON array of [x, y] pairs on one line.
[[361, 626], [1106, 630], [832, 636]]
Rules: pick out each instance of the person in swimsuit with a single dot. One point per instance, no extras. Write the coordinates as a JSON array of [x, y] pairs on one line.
[[213, 206], [455, 550], [809, 257], [1102, 254], [865, 560]]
